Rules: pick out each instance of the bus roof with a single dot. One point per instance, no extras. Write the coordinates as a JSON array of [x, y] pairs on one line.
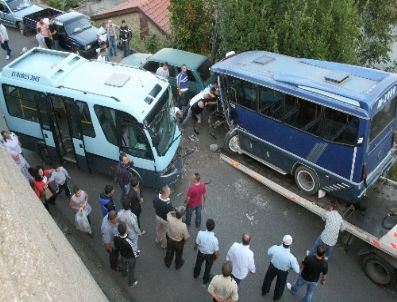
[[344, 85], [128, 86]]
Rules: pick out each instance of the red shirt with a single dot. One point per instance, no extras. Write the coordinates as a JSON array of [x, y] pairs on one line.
[[196, 192]]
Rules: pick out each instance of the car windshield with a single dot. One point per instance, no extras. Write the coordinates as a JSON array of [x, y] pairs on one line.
[[17, 5], [77, 25], [162, 123]]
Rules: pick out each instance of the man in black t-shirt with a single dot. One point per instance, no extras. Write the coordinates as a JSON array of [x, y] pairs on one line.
[[313, 267], [162, 205]]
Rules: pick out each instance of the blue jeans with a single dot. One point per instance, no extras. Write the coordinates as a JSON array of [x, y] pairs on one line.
[[319, 242], [189, 212], [310, 286], [112, 46]]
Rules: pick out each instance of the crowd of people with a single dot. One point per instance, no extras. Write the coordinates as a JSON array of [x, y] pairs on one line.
[[108, 34]]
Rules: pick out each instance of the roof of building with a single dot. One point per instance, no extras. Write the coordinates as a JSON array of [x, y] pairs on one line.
[[155, 10], [352, 85], [125, 85]]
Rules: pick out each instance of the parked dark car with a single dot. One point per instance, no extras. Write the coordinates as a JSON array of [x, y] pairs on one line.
[[75, 30]]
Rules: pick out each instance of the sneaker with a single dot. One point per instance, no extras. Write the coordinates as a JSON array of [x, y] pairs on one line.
[[137, 253], [307, 252], [134, 284], [326, 258], [143, 232], [7, 57], [289, 286]]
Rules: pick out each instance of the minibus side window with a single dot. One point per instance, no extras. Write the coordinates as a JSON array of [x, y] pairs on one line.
[[21, 102], [132, 138], [86, 122], [107, 120]]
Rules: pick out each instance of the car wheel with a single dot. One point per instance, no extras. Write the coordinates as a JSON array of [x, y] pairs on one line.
[[306, 180]]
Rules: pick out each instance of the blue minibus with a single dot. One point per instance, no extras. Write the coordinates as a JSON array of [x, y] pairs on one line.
[[330, 125], [70, 109]]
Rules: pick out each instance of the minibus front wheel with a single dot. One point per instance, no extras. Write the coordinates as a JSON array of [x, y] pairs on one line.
[[306, 180], [232, 142]]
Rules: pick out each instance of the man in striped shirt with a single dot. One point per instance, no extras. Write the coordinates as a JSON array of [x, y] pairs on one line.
[[329, 236], [182, 85]]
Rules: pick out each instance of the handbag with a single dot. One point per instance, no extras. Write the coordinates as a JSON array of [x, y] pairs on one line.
[[47, 193]]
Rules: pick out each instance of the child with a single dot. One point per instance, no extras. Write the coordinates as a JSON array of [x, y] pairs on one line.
[[106, 200], [59, 176]]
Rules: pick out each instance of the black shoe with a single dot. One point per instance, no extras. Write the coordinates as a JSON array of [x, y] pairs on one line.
[[179, 266], [264, 293]]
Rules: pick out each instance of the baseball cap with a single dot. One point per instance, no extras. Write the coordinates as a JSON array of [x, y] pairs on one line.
[[287, 239]]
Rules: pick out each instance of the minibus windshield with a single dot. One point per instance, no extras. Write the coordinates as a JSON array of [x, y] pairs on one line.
[[161, 123]]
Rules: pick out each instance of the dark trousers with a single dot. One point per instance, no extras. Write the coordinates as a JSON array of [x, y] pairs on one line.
[[272, 272], [48, 42], [209, 260], [66, 188], [129, 269], [113, 256], [174, 247], [5, 46]]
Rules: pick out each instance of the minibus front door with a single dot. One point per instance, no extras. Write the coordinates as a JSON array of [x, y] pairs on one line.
[[74, 121]]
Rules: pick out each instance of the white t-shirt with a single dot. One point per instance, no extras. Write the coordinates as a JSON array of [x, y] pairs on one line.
[[102, 34], [163, 72], [12, 144]]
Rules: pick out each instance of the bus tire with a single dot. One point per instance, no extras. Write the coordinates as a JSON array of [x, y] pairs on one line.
[[378, 270], [232, 143], [306, 180]]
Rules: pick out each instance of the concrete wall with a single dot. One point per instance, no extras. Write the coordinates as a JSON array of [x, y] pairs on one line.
[[37, 263]]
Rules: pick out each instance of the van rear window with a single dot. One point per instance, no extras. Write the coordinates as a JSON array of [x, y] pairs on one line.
[[382, 119]]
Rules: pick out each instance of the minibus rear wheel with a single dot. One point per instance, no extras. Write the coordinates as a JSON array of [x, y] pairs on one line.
[[306, 180], [232, 142]]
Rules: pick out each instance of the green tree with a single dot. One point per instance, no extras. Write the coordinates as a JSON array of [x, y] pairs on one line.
[[192, 24], [379, 22], [320, 29]]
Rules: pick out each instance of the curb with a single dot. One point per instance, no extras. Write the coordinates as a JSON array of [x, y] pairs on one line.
[[389, 181]]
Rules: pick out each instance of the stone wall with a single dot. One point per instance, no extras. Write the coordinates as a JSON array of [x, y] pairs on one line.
[[37, 263]]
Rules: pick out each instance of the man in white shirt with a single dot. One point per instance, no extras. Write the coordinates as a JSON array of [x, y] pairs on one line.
[[242, 258], [163, 71], [208, 251], [60, 175], [282, 261], [102, 34]]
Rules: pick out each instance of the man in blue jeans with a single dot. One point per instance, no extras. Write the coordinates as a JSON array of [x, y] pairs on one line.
[[313, 267], [196, 196]]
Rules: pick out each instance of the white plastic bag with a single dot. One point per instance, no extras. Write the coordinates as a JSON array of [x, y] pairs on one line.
[[81, 221]]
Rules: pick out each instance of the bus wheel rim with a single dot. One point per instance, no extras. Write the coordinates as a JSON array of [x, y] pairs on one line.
[[234, 144]]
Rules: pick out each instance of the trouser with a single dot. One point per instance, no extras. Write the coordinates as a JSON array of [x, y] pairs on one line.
[[129, 268], [310, 287], [272, 272], [65, 187], [6, 47], [125, 189], [182, 99], [113, 255], [317, 243], [189, 212], [161, 231], [209, 260], [126, 48], [48, 42], [112, 46], [174, 247]]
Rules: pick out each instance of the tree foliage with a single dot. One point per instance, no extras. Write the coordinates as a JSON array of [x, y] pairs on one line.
[[191, 24], [322, 29], [379, 21], [350, 31]]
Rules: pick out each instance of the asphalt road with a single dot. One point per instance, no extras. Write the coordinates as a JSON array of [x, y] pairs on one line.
[[238, 204]]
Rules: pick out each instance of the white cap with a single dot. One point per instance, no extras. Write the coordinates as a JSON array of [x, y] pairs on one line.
[[287, 239]]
